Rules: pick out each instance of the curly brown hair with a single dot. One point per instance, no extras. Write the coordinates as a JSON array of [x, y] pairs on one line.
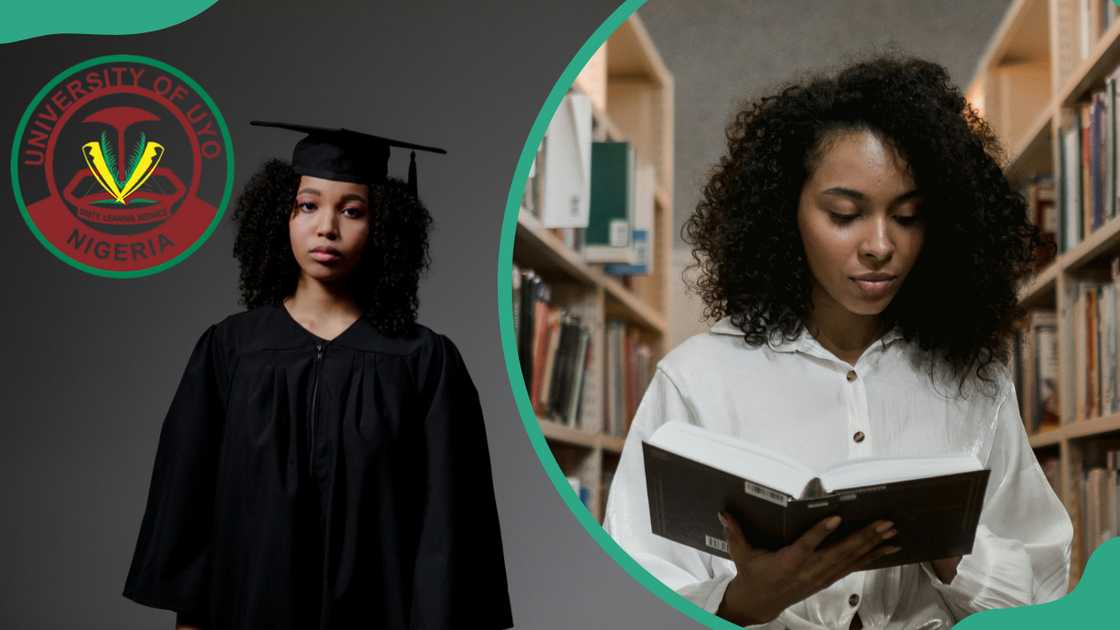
[[387, 278], [959, 301]]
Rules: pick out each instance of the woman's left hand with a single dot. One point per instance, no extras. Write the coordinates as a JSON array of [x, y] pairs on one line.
[[946, 568]]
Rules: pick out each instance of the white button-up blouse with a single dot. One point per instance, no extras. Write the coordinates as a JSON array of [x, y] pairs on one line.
[[799, 399]]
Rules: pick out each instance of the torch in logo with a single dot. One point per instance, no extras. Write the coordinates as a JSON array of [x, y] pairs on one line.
[[120, 173], [102, 161]]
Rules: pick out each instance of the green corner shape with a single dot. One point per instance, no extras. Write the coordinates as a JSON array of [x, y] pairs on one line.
[[1086, 607], [116, 17]]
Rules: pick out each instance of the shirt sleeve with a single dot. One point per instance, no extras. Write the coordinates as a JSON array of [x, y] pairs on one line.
[[687, 571], [1021, 554], [460, 543], [171, 565]]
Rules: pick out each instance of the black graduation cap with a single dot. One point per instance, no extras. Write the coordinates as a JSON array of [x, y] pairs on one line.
[[346, 155]]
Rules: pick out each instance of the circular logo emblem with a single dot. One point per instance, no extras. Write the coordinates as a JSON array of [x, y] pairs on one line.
[[122, 166]]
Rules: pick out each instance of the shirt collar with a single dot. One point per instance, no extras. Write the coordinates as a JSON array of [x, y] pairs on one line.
[[803, 343], [272, 327]]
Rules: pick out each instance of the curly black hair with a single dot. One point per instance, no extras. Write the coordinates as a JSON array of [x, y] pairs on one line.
[[387, 277], [959, 301]]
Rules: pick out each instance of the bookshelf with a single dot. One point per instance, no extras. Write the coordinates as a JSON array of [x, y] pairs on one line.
[[631, 96], [1046, 59]]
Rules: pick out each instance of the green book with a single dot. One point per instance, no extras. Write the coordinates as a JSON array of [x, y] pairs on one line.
[[607, 238]]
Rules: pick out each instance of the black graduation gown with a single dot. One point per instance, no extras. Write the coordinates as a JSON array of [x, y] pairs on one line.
[[302, 483]]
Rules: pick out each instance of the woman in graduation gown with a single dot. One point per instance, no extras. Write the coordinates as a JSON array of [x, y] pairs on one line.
[[324, 463]]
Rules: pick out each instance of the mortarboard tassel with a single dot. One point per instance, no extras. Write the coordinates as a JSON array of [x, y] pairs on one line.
[[412, 174]]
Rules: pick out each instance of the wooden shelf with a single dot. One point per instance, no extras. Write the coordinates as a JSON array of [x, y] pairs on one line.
[[628, 306], [607, 129], [557, 432], [571, 436], [1078, 430], [1009, 36], [1103, 239], [631, 53], [1092, 427], [1102, 60], [564, 434], [612, 443], [537, 248], [1044, 439], [1040, 287], [1033, 151]]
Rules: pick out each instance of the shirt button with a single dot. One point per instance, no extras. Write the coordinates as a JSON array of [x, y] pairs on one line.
[[853, 600], [851, 375], [858, 437]]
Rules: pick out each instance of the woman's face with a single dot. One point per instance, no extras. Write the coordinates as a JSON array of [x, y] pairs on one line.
[[328, 227], [860, 223]]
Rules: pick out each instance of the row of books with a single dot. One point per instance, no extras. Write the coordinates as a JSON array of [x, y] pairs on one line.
[[554, 348], [597, 196], [1034, 365], [1089, 165], [1100, 502], [630, 368], [1094, 17], [1092, 318]]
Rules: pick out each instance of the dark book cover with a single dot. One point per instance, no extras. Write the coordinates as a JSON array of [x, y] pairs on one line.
[[936, 517], [610, 192], [562, 372], [530, 288], [579, 368]]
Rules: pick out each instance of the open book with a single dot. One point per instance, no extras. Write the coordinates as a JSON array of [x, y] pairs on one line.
[[692, 474]]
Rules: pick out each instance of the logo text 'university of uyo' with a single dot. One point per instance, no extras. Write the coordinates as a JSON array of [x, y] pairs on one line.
[[122, 166]]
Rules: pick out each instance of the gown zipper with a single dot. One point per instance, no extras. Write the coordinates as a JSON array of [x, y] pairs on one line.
[[314, 409]]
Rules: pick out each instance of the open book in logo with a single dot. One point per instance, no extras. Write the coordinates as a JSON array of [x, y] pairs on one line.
[[102, 160]]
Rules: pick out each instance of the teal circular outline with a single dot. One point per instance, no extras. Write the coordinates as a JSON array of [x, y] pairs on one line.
[[509, 346], [226, 194], [1078, 606]]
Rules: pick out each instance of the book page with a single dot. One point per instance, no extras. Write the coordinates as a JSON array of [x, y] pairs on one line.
[[870, 470], [733, 456]]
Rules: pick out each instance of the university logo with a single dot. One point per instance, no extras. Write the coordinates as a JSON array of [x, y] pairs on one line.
[[122, 166]]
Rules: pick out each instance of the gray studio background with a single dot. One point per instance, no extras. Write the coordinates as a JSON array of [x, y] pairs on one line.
[[90, 364]]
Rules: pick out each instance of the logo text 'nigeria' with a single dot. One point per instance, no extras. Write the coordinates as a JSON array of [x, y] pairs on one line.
[[122, 166]]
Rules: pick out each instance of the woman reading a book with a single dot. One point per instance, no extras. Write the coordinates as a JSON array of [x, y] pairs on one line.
[[860, 248], [324, 461]]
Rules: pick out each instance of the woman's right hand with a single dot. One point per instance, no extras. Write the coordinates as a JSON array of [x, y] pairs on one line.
[[768, 582]]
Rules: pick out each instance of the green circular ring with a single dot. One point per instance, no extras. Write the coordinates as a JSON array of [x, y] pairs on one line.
[[509, 345]]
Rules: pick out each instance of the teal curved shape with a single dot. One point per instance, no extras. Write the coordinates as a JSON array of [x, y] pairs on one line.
[[1090, 605], [82, 17], [1086, 607]]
